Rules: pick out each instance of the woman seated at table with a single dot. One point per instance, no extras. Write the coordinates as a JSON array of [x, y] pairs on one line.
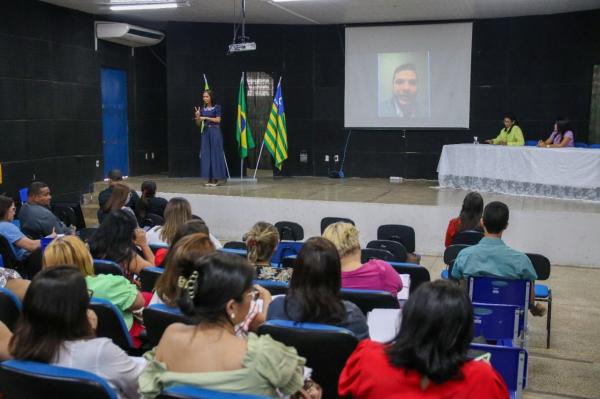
[[562, 135], [375, 274], [314, 294], [428, 357], [510, 134]]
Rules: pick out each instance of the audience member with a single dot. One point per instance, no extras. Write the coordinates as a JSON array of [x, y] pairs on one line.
[[71, 251], [262, 241], [562, 135], [428, 357], [37, 220], [149, 202], [57, 327], [492, 257], [468, 219], [218, 294], [314, 293], [189, 227], [115, 176], [116, 240], [26, 250], [121, 195], [376, 274], [177, 212]]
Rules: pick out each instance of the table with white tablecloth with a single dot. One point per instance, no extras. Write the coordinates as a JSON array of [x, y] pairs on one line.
[[572, 173]]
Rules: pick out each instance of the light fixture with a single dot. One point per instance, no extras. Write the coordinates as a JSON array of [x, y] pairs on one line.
[[143, 6]]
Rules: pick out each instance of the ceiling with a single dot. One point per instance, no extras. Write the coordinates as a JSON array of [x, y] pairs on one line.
[[337, 11]]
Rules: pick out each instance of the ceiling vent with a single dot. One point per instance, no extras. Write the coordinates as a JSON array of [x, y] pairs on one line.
[[126, 34]]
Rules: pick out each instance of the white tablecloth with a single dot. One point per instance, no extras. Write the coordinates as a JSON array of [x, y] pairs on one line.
[[572, 173]]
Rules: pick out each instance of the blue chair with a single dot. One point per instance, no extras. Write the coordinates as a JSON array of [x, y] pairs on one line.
[[368, 300], [232, 251], [273, 286], [531, 143], [496, 322], [111, 324], [581, 144], [326, 348], [23, 194], [418, 274], [102, 266], [10, 308], [285, 249], [543, 293], [158, 317], [395, 247], [500, 291], [597, 146], [192, 392], [511, 363], [29, 380], [235, 245], [149, 276]]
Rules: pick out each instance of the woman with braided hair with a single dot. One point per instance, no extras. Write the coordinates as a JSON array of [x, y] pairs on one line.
[[217, 293], [262, 241]]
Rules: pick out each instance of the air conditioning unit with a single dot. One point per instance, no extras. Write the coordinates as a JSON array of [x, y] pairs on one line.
[[127, 35]]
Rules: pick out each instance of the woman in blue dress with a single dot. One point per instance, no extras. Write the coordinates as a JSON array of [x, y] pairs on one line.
[[212, 158]]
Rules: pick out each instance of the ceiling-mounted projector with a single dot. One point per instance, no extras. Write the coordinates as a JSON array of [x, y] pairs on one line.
[[238, 47]]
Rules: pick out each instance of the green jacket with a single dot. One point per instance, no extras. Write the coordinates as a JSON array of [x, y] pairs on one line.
[[514, 138]]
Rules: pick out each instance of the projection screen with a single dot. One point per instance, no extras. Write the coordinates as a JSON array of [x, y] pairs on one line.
[[408, 76]]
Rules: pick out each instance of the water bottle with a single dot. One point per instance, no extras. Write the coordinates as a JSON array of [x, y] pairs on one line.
[[475, 140]]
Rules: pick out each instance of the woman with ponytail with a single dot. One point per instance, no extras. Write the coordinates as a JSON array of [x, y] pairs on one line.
[[149, 202], [217, 293], [262, 241]]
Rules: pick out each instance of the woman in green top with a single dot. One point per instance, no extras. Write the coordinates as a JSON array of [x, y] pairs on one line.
[[510, 134], [217, 292]]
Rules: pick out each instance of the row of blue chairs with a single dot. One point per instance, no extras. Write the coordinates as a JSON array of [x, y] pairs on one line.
[[578, 144]]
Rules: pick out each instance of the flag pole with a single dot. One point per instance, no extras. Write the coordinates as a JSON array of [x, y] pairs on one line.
[[242, 159], [259, 155], [226, 166]]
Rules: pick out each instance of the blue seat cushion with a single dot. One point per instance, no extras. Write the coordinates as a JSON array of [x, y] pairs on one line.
[[541, 291], [444, 274]]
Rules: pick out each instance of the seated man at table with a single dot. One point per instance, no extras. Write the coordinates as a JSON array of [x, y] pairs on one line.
[[115, 176], [37, 220], [492, 257]]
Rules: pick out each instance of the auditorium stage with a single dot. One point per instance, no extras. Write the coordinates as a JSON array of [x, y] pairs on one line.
[[564, 230]]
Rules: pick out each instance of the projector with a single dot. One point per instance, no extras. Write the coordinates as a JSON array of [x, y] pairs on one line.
[[238, 47]]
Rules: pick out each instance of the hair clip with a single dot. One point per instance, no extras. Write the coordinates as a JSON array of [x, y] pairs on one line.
[[181, 282], [191, 285]]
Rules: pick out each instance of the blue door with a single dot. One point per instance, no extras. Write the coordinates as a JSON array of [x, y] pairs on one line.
[[114, 120]]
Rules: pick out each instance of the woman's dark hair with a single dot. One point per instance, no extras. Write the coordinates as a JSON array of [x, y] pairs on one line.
[[212, 96], [118, 197], [316, 282], [114, 238], [220, 278], [563, 125], [148, 192], [5, 204], [512, 117], [54, 310], [436, 330], [471, 211]]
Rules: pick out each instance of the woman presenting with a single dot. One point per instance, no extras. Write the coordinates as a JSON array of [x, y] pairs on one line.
[[510, 135], [212, 158]]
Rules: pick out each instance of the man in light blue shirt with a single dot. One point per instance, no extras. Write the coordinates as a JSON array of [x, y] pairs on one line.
[[492, 257]]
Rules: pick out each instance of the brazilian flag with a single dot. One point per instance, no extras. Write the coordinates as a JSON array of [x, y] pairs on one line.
[[242, 129]]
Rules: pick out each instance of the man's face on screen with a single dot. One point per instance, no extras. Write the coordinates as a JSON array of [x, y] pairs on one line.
[[405, 87]]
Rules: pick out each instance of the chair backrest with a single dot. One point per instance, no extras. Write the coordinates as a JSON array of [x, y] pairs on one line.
[[232, 251], [310, 340], [290, 231], [326, 221], [450, 255], [8, 254], [152, 220], [235, 245], [368, 300], [28, 380], [111, 323], [10, 308], [501, 291], [531, 143], [595, 146], [496, 322], [193, 392], [541, 264], [395, 247], [581, 144], [274, 287], [418, 274], [467, 237], [70, 213], [158, 317], [367, 254], [398, 232], [511, 363], [289, 261], [285, 249], [149, 276], [23, 194], [103, 266]]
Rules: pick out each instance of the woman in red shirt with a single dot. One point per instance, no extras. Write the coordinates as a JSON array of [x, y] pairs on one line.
[[428, 357], [469, 218]]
